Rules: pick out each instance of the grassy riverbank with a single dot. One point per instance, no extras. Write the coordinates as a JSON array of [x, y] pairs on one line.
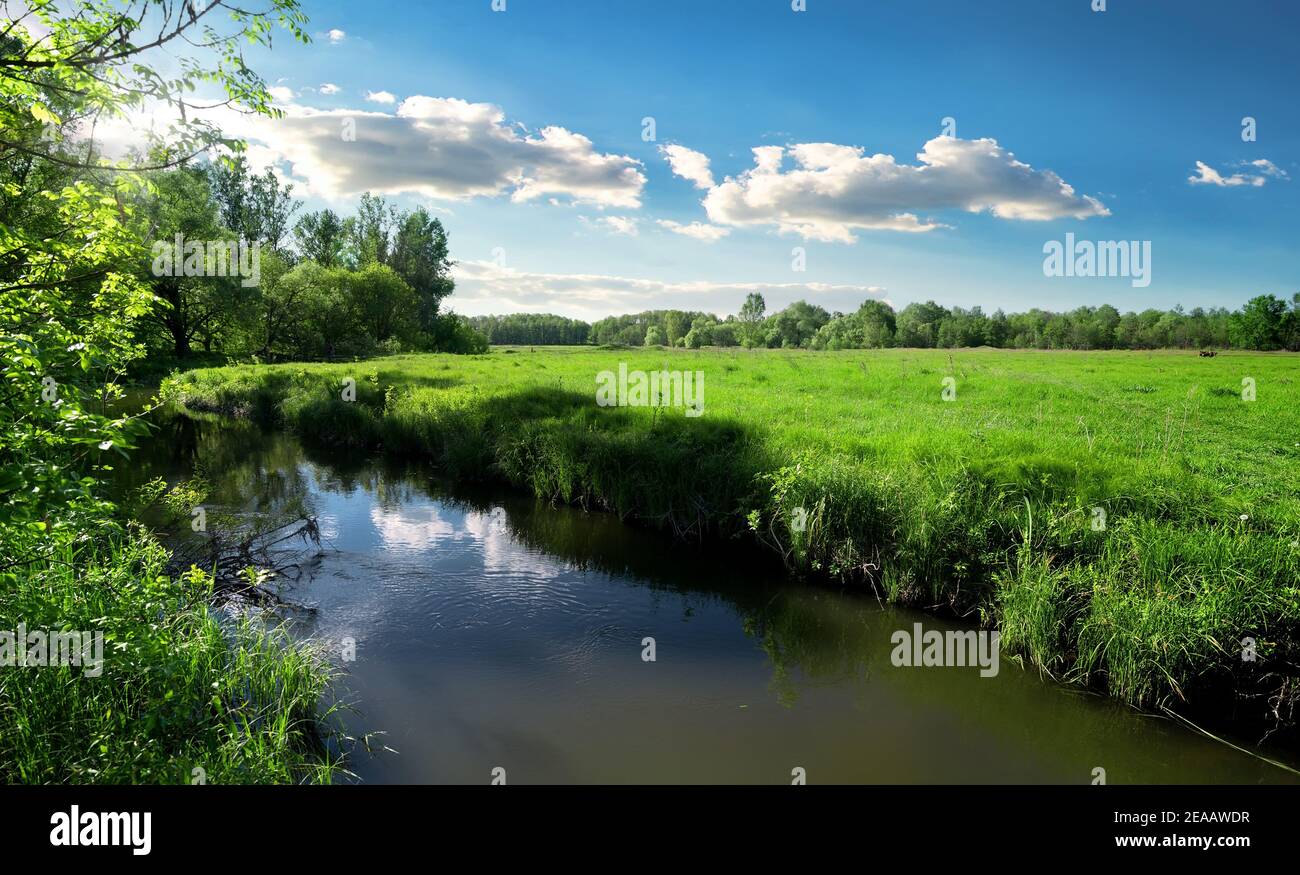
[[1126, 519], [168, 695]]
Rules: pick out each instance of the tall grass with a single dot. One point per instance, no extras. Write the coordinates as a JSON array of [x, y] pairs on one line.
[[182, 697], [928, 501]]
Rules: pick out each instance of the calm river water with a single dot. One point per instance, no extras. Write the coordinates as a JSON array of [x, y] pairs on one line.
[[496, 631]]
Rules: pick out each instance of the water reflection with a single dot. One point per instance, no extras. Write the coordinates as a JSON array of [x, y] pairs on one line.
[[495, 630]]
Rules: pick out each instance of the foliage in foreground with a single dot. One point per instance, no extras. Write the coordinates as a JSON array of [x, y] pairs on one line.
[[985, 505], [181, 697], [177, 692]]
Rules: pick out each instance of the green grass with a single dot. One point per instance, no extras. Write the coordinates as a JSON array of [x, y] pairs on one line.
[[982, 505], [181, 698]]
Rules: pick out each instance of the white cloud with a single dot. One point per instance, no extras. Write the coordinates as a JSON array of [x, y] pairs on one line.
[[698, 230], [280, 94], [627, 226], [833, 190], [381, 97], [689, 164], [335, 35], [1207, 175], [329, 88], [439, 147], [1268, 168], [483, 287]]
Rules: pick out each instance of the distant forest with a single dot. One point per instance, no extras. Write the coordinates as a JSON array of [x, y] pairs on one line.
[[1265, 322]]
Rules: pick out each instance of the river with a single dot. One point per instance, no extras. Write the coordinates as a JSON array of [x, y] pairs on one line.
[[492, 631]]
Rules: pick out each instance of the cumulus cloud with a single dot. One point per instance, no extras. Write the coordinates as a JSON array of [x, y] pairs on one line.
[[381, 97], [280, 94], [335, 35], [329, 88], [689, 164], [698, 230], [484, 287], [1264, 169], [833, 190], [439, 147], [627, 226]]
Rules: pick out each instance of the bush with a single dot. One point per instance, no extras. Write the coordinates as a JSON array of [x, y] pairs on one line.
[[454, 334]]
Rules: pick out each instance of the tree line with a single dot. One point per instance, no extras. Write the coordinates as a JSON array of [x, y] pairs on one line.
[[326, 286], [541, 329], [1265, 322]]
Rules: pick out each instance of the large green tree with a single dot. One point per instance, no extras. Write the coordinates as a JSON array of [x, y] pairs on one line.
[[71, 287], [1260, 323], [420, 256], [256, 207], [322, 237], [181, 213]]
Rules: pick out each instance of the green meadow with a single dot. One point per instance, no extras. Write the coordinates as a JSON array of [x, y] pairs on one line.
[[1128, 520]]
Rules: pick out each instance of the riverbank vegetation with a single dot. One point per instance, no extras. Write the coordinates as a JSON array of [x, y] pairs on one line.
[[168, 693], [1127, 520]]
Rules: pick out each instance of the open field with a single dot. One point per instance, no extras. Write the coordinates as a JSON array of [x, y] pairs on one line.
[[1126, 519]]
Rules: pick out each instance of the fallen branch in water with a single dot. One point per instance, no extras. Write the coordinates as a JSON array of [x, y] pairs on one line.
[[243, 560]]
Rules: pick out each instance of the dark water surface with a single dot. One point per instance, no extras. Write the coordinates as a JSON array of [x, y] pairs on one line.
[[493, 630]]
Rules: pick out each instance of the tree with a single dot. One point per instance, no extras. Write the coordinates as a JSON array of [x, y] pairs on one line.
[[321, 236], [256, 208], [1000, 329], [918, 324], [796, 324], [878, 324], [97, 64], [369, 232], [751, 320], [319, 318], [675, 326], [281, 310], [1291, 325], [654, 336], [71, 289], [1259, 324], [701, 333], [1106, 318], [190, 300], [420, 256], [724, 334], [382, 301], [454, 334]]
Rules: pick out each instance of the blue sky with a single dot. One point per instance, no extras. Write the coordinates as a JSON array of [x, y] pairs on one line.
[[1119, 105]]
